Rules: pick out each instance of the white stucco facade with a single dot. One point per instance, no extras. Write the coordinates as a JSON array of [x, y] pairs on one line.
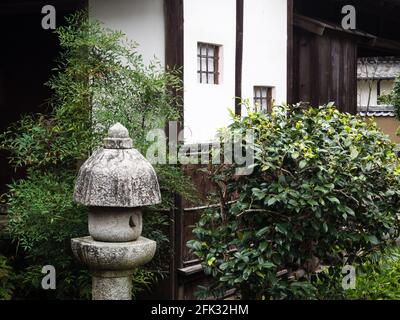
[[213, 22], [265, 48], [264, 59], [206, 105], [141, 21]]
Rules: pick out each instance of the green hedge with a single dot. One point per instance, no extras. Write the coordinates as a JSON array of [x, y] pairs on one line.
[[325, 187]]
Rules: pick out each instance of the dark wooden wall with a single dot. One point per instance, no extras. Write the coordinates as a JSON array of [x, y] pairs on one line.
[[27, 57], [190, 274], [378, 17], [325, 69]]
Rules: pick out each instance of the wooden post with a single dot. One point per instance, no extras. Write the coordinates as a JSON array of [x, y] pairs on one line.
[[239, 56], [290, 89]]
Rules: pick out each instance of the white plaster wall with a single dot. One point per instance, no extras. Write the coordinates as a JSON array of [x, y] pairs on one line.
[[265, 48], [141, 20], [363, 89], [206, 105]]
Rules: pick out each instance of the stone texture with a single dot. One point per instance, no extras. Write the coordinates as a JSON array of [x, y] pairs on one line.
[[116, 224], [114, 183], [113, 256], [118, 131], [115, 176], [118, 138], [111, 288]]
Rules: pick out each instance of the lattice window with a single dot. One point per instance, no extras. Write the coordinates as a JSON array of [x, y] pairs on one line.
[[263, 98], [207, 63]]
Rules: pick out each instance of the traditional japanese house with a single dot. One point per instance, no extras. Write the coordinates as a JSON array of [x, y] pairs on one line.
[[375, 81], [260, 50]]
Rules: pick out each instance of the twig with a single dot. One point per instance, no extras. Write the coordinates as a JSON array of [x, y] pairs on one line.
[[208, 206]]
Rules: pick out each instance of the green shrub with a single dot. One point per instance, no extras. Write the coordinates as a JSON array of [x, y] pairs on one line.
[[100, 80], [6, 279], [395, 97], [379, 277], [42, 219], [41, 213], [386, 98], [325, 189]]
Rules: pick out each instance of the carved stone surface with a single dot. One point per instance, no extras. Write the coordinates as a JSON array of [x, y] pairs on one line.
[[118, 138], [115, 224], [111, 288], [114, 183], [113, 256], [116, 176]]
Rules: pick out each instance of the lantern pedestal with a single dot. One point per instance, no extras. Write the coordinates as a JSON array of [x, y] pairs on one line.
[[111, 286], [112, 263]]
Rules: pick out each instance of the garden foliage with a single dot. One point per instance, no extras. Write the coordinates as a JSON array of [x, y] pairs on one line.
[[395, 97], [325, 190], [101, 79], [6, 279], [378, 278]]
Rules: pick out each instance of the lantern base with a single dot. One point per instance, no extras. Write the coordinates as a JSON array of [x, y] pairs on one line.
[[112, 263], [111, 285]]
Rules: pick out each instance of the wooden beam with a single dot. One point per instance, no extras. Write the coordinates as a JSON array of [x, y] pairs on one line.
[[381, 46], [239, 56], [365, 39], [290, 93], [318, 27], [174, 46], [308, 24], [173, 11], [187, 271], [379, 87], [387, 44]]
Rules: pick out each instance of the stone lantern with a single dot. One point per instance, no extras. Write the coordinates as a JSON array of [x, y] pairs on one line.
[[115, 183]]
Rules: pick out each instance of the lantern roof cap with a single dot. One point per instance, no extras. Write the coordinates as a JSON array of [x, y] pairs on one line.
[[117, 175]]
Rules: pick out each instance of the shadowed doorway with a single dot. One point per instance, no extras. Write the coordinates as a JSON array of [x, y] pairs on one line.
[[27, 57]]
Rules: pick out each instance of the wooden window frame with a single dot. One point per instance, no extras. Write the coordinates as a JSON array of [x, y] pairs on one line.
[[378, 91], [258, 99], [215, 58]]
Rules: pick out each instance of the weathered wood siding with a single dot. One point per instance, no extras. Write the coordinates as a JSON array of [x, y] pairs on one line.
[[325, 69]]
